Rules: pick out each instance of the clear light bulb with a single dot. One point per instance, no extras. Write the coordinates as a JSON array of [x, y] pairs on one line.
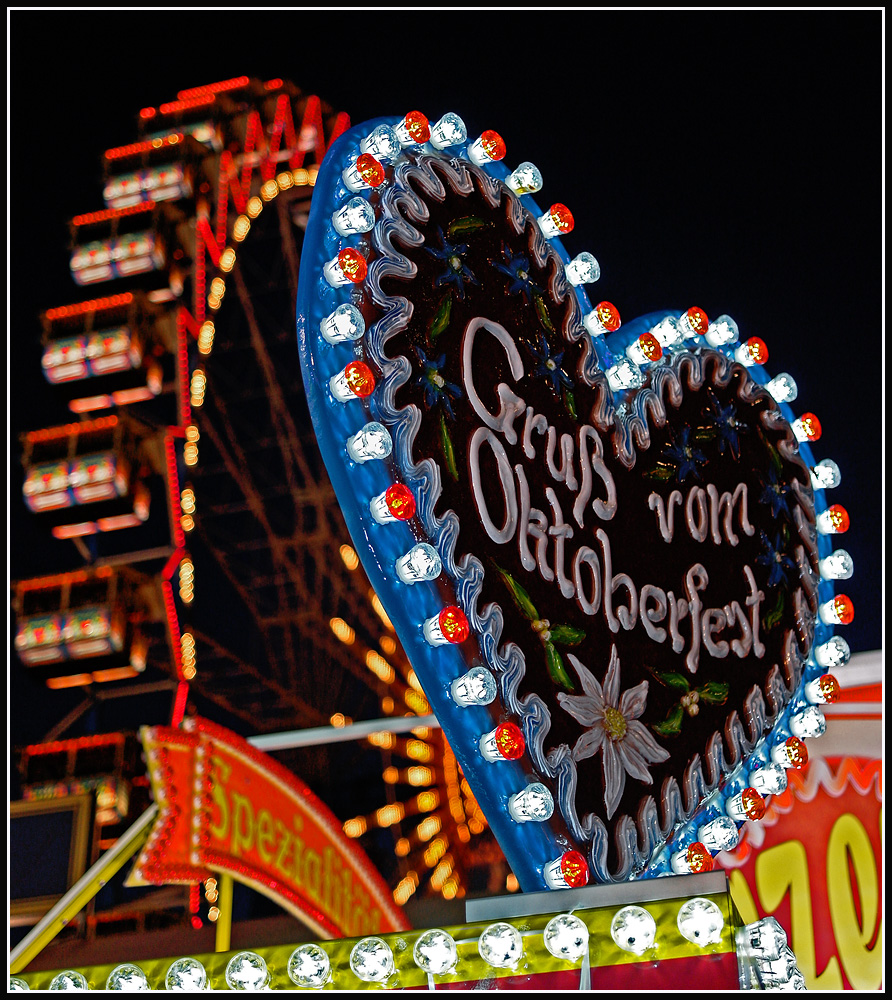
[[753, 352], [420, 564], [783, 388], [448, 131], [450, 626], [826, 475], [501, 946], [765, 939], [808, 724], [701, 922], [668, 333], [372, 960], [582, 270], [17, 985], [435, 952], [309, 967], [128, 978], [247, 971], [534, 804], [569, 871], [476, 687], [566, 937], [834, 652], [721, 331], [342, 325], [354, 218], [624, 375], [488, 147], [720, 834], [69, 981], [633, 929], [525, 179], [382, 143], [369, 443], [823, 690], [769, 779], [186, 975]]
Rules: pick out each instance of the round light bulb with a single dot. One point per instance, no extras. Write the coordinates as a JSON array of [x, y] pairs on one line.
[[488, 147], [501, 946], [603, 319], [764, 939], [372, 960], [582, 270], [476, 687], [348, 268], [17, 985], [823, 690], [363, 173], [525, 179], [354, 381], [692, 860], [309, 967], [624, 375], [534, 804], [745, 805], [247, 970], [371, 442], [668, 332], [448, 131], [838, 611], [693, 323], [645, 350], [720, 834], [633, 929], [413, 130], [783, 388], [420, 564], [382, 143], [186, 975], [769, 779], [69, 981], [826, 475], [435, 952], [557, 221], [128, 978], [753, 352], [791, 754], [833, 521], [809, 723], [701, 922], [807, 427], [566, 937]]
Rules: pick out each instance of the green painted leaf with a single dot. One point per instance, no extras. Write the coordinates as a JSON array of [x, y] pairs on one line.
[[672, 724], [673, 680], [556, 669], [570, 403], [448, 451], [774, 616], [465, 225], [542, 312], [439, 322], [566, 635], [661, 472], [714, 692], [520, 596], [704, 434]]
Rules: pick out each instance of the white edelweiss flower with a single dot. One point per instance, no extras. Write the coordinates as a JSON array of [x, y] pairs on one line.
[[612, 726]]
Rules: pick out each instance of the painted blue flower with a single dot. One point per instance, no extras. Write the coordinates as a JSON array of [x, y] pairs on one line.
[[774, 494], [549, 365], [774, 556], [457, 271], [436, 388], [517, 268], [684, 456], [728, 427]]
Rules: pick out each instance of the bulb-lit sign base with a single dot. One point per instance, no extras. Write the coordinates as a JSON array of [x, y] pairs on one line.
[[661, 934]]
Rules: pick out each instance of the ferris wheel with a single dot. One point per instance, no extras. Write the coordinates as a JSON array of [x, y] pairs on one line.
[[183, 379]]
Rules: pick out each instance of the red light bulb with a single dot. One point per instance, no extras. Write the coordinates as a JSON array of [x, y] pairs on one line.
[[509, 740], [400, 502], [453, 624], [644, 350], [807, 427], [696, 322], [574, 869], [792, 753], [839, 611], [356, 381], [417, 126], [753, 804], [493, 144], [833, 521], [369, 169], [353, 265], [608, 315]]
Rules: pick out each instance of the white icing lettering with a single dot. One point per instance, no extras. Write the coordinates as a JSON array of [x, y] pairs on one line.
[[713, 621], [697, 522], [665, 512], [590, 604], [504, 534], [510, 405], [695, 580], [649, 616]]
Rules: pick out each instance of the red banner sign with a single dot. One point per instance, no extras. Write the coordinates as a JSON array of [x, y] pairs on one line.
[[225, 806]]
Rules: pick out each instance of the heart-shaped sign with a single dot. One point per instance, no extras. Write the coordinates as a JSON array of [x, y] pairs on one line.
[[597, 544]]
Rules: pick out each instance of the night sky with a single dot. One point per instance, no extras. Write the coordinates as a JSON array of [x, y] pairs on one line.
[[730, 160]]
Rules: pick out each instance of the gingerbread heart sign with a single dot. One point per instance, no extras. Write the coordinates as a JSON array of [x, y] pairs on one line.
[[598, 543]]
